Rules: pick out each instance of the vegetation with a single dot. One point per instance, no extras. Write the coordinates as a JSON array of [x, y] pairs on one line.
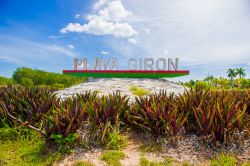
[[145, 162], [28, 77], [235, 80], [5, 81], [224, 159], [112, 158], [139, 91], [83, 163], [34, 121], [21, 146]]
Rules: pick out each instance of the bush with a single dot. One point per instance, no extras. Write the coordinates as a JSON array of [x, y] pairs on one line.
[[39, 77], [28, 104], [5, 81], [225, 160], [106, 113], [26, 82], [157, 114]]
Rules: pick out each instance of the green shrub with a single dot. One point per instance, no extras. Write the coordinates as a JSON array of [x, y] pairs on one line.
[[38, 77], [138, 91], [106, 114], [225, 160], [157, 114], [115, 141], [26, 82], [113, 157], [83, 163], [5, 81], [145, 162], [28, 104]]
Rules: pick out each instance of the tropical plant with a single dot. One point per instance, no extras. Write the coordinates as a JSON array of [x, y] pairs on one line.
[[27, 104], [231, 74], [209, 79], [240, 72], [157, 114], [65, 118], [106, 113]]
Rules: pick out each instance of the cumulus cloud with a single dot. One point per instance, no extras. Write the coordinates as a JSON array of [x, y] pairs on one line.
[[105, 52], [71, 46], [108, 19], [133, 41], [77, 16]]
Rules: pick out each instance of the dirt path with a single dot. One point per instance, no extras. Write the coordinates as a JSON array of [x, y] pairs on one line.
[[187, 151]]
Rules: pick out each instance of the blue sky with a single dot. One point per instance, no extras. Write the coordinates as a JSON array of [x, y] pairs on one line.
[[207, 36]]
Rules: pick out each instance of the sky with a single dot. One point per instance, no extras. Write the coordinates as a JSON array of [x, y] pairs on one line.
[[207, 36]]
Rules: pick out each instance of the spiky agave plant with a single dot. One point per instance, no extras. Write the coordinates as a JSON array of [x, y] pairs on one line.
[[219, 114], [27, 104], [65, 118], [157, 114], [107, 112], [190, 99]]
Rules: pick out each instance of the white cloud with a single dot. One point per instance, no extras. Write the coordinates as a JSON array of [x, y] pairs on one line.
[[105, 52], [71, 46], [133, 41], [99, 4], [165, 51], [108, 20], [199, 33], [77, 16]]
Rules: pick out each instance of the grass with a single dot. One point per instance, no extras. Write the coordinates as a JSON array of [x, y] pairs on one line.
[[116, 141], [23, 149], [145, 162], [112, 158], [225, 160], [138, 91], [151, 147], [82, 163]]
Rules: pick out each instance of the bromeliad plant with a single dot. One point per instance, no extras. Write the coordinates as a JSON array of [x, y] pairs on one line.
[[219, 114], [106, 113], [157, 114], [65, 118], [27, 104]]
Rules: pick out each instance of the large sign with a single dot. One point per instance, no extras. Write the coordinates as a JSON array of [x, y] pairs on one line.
[[137, 68]]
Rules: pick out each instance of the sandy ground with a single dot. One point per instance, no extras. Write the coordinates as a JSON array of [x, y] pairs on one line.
[[188, 150]]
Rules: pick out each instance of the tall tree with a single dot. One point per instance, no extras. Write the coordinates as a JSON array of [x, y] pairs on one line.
[[241, 72], [209, 79], [231, 73]]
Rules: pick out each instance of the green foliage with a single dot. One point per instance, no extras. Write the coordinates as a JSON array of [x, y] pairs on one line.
[[26, 82], [17, 133], [115, 141], [112, 158], [157, 114], [106, 113], [20, 146], [62, 141], [83, 163], [6, 81], [65, 142], [145, 162], [28, 104], [138, 91], [225, 160], [247, 163], [218, 113], [151, 147], [65, 118], [27, 77]]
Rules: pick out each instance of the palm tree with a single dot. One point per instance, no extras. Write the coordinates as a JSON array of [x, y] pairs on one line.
[[231, 73], [241, 72], [209, 79]]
